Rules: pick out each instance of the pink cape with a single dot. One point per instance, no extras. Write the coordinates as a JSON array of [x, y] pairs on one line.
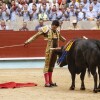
[[16, 85]]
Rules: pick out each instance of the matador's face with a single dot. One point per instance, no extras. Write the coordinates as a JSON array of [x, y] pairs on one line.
[[53, 27]]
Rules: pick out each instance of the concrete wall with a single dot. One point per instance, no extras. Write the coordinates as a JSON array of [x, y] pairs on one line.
[[83, 25]]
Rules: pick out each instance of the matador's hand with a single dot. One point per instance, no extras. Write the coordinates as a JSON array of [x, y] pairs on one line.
[[26, 44]]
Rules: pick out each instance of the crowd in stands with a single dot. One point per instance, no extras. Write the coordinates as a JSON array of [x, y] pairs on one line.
[[49, 10]]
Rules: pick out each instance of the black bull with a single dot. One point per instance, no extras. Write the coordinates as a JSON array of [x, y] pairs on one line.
[[83, 54]]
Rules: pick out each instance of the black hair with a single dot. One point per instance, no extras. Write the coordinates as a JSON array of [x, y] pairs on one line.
[[55, 22], [40, 19]]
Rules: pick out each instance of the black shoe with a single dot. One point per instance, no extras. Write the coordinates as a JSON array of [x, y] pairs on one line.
[[47, 85], [53, 84]]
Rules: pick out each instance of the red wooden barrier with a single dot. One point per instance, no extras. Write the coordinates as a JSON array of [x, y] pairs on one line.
[[36, 48]]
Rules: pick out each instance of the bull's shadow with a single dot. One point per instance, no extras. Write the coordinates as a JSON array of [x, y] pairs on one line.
[[83, 54]]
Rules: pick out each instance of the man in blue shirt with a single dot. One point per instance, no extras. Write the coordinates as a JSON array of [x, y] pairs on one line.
[[40, 25]]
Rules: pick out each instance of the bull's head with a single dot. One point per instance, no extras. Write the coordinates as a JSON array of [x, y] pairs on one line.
[[59, 52]]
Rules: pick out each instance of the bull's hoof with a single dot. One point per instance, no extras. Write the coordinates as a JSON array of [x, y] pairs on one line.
[[72, 88], [82, 88], [95, 91], [98, 88]]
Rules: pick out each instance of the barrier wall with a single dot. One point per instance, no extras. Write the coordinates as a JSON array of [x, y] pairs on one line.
[[82, 25], [36, 48]]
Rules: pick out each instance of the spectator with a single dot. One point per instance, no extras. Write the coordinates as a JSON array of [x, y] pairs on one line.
[[3, 25], [64, 14], [91, 14], [34, 2], [34, 12], [24, 27], [44, 8], [41, 24], [43, 12], [96, 5], [5, 12], [54, 2], [72, 11], [80, 13], [63, 4], [74, 3], [13, 11], [0, 12], [85, 4], [25, 13], [53, 13], [44, 2], [74, 26], [21, 4]]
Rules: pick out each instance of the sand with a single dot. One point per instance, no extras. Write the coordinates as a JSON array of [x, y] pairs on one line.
[[61, 76]]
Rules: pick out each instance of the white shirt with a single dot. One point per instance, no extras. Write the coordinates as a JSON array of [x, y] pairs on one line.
[[13, 16], [85, 6], [80, 15], [30, 6], [96, 6], [5, 28], [5, 16], [91, 14], [75, 5]]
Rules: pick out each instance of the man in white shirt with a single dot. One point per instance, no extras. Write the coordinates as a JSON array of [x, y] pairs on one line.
[[25, 13], [85, 4], [80, 13], [91, 14], [5, 12], [3, 26], [74, 3], [34, 12], [96, 5], [33, 2]]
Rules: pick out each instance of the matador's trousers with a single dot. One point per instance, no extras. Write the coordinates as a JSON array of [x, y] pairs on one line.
[[50, 59]]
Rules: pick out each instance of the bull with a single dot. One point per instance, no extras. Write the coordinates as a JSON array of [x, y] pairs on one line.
[[84, 54]]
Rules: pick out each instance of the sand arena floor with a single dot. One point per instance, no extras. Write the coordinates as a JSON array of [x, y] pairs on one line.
[[61, 76]]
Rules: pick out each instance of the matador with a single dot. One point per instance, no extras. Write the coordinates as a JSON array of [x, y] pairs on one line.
[[52, 35]]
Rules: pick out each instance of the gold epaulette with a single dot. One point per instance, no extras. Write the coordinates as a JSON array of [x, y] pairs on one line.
[[45, 29]]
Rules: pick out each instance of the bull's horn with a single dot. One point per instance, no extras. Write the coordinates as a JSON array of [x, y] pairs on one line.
[[85, 37]]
